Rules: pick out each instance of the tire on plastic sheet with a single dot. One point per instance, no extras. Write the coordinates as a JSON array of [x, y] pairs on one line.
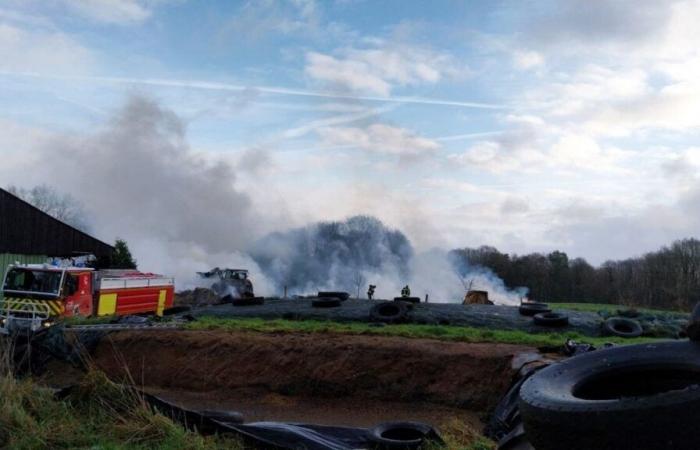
[[389, 312], [621, 398]]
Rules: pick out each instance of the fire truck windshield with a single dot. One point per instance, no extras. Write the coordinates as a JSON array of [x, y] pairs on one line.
[[33, 281]]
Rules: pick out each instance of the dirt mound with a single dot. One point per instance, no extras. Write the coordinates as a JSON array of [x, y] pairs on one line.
[[196, 297], [472, 376]]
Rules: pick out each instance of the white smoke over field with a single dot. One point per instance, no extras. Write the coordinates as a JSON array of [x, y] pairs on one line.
[[139, 180], [352, 254]]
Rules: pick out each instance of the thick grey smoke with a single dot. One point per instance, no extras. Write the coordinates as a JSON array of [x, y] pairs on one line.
[[141, 181], [334, 255], [352, 254], [139, 173]]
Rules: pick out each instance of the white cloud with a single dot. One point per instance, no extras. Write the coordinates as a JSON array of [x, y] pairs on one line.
[[527, 59], [380, 138], [53, 51], [379, 69], [540, 149]]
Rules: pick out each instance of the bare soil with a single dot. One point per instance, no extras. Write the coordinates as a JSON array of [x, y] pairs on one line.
[[312, 368]]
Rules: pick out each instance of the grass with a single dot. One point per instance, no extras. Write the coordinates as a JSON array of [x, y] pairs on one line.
[[459, 436], [440, 332], [610, 308], [97, 414]]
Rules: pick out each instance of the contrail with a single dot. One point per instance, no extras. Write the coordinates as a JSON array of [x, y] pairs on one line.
[[336, 120], [215, 86], [465, 136]]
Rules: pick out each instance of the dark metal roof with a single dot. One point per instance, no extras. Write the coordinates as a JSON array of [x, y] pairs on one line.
[[27, 230]]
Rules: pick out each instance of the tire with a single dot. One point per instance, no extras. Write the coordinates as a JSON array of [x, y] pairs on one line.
[[389, 312], [622, 398], [413, 300], [326, 302], [339, 294], [551, 319], [248, 301], [530, 309], [176, 310], [402, 435], [619, 326]]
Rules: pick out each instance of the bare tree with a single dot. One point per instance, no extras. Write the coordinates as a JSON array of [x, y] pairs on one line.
[[358, 280], [63, 207]]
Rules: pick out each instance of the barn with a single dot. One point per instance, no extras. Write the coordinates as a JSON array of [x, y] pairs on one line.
[[28, 235]]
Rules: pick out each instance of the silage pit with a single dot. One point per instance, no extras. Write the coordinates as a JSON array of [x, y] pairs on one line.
[[320, 378]]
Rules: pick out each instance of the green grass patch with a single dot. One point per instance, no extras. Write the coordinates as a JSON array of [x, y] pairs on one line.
[[98, 415], [440, 332], [610, 308]]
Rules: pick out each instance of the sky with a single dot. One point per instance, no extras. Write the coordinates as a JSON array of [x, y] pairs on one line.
[[528, 126]]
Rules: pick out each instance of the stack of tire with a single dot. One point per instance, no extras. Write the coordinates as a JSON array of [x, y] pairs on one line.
[[329, 299], [542, 315]]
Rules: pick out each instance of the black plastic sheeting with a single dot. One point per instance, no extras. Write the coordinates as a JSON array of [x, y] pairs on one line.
[[271, 435], [267, 435], [277, 435]]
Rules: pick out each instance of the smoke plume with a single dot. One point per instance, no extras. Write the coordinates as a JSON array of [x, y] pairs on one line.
[[334, 255], [139, 179]]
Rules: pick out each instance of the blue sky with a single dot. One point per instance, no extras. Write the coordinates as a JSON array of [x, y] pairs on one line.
[[530, 126]]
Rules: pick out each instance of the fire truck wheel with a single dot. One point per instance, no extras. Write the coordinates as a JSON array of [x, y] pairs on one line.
[[326, 302], [248, 301], [402, 435], [619, 326], [334, 294], [551, 319], [389, 312], [413, 300], [648, 390], [530, 309]]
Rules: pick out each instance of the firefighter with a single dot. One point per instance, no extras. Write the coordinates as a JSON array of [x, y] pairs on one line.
[[370, 291], [406, 291]]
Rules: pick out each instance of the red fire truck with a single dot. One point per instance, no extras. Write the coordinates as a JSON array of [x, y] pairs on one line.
[[35, 295]]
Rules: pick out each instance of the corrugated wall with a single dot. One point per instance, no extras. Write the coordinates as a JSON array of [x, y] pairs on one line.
[[26, 230], [10, 258]]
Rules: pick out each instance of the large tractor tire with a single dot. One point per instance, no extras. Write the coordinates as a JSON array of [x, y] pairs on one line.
[[622, 398], [622, 327], [551, 319], [389, 312], [530, 309]]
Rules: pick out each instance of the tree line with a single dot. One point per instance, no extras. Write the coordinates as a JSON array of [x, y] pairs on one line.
[[668, 278]]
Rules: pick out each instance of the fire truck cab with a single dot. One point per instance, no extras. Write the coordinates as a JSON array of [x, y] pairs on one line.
[[35, 295]]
